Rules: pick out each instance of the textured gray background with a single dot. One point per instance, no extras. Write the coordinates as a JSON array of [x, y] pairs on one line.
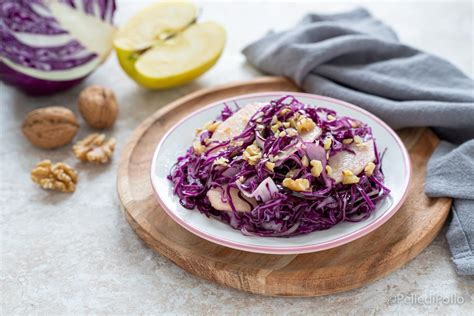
[[69, 254]]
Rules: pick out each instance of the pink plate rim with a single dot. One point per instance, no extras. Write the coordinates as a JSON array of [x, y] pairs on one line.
[[294, 249]]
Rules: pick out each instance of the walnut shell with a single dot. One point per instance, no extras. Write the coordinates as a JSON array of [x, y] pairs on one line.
[[50, 127], [98, 106]]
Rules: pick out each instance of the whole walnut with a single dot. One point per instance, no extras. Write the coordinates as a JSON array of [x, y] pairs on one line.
[[50, 127], [98, 106]]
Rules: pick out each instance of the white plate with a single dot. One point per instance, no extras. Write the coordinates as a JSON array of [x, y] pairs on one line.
[[395, 164]]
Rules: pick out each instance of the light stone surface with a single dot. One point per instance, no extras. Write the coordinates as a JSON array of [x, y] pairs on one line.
[[76, 254]]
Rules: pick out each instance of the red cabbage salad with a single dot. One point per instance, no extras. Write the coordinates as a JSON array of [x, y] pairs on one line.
[[280, 169]]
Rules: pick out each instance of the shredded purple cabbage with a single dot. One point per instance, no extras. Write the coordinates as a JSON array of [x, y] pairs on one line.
[[279, 211]]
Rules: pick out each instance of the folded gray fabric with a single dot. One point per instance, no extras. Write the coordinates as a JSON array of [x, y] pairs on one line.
[[446, 167], [355, 57]]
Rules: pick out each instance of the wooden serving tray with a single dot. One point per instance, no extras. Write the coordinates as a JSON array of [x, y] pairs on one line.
[[343, 268]]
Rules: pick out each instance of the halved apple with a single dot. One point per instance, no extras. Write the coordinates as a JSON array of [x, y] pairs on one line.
[[162, 47]]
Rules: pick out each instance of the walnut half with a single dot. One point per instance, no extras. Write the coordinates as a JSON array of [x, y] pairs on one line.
[[57, 177], [94, 148]]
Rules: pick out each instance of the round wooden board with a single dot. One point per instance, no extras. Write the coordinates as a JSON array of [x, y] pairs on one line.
[[343, 268]]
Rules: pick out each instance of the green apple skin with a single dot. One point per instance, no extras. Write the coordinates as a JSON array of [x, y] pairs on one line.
[[127, 61]]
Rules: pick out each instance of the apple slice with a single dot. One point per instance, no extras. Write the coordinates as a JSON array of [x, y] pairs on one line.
[[343, 160], [216, 196], [235, 124]]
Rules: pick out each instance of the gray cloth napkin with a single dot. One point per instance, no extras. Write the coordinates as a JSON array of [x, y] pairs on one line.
[[355, 57]]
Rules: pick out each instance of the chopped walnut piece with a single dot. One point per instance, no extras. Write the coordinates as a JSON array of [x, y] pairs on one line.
[[199, 148], [252, 154], [347, 141], [94, 148], [328, 170], [327, 143], [357, 139], [211, 126], [57, 177], [292, 122], [284, 111], [349, 178], [305, 125], [369, 169], [331, 118], [297, 185], [270, 165], [316, 168], [305, 161], [221, 161], [275, 127], [291, 132]]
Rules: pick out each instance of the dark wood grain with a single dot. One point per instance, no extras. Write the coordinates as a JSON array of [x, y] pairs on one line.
[[346, 267]]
